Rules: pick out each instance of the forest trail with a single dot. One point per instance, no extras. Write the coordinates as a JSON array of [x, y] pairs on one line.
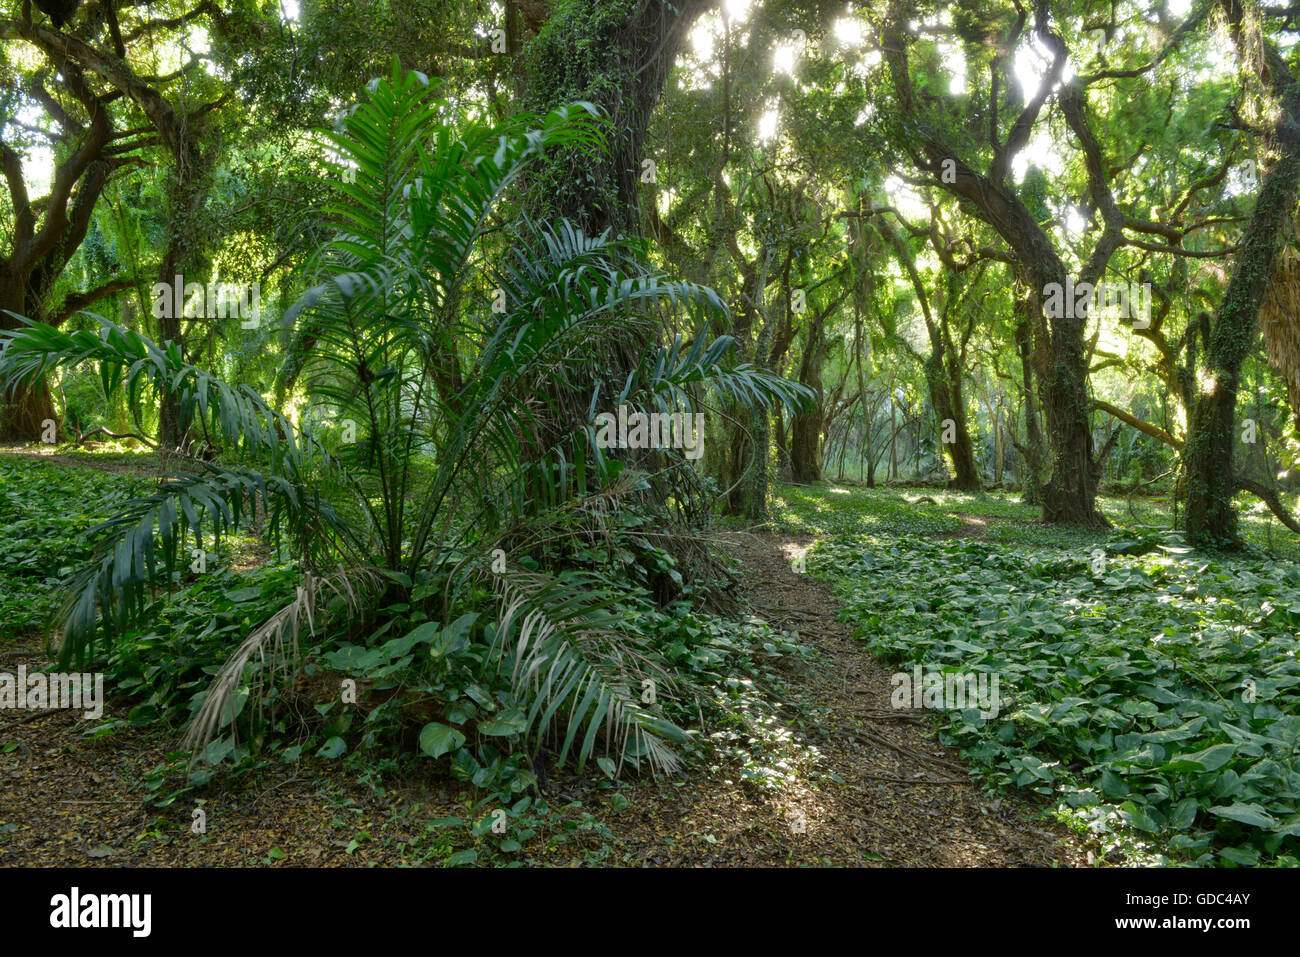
[[972, 526], [113, 464], [905, 799]]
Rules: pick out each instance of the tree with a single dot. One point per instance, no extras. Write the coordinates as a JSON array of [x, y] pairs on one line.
[[47, 231], [1208, 459], [932, 136], [104, 68]]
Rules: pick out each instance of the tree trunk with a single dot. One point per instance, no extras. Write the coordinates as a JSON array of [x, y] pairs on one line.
[[1032, 451], [805, 447], [1208, 457], [25, 412], [1208, 454], [806, 427], [750, 500], [25, 409], [183, 258], [1069, 497], [868, 416], [782, 442], [999, 453], [893, 438], [615, 54], [949, 405]]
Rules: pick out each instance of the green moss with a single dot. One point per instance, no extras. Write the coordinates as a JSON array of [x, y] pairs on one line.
[[581, 55]]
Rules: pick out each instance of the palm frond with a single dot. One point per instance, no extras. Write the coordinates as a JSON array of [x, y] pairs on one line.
[[278, 635], [134, 361], [143, 538], [559, 649]]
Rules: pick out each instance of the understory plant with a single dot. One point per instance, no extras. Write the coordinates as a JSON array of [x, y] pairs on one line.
[[443, 476]]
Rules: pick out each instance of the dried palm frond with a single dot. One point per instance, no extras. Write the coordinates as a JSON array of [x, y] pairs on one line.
[[279, 634]]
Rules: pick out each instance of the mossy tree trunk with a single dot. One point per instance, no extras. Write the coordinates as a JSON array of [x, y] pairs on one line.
[[806, 425], [1030, 468], [615, 54], [1208, 460], [185, 256]]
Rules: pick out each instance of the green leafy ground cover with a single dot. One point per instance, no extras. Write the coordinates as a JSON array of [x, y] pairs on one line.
[[1148, 688], [45, 510], [1151, 694], [159, 671]]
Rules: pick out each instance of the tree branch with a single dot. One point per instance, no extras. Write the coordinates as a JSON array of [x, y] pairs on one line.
[[1269, 498], [81, 300], [1145, 427]]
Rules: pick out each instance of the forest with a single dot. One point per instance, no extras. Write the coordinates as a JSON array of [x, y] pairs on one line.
[[632, 433]]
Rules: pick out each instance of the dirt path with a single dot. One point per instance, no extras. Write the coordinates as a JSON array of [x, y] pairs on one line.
[[972, 526], [904, 796], [123, 464], [901, 799]]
